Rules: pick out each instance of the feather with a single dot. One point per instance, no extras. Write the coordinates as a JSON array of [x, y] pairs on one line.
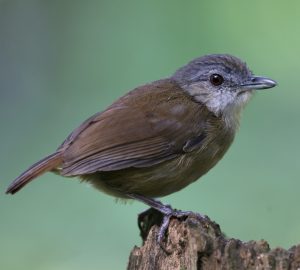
[[145, 127]]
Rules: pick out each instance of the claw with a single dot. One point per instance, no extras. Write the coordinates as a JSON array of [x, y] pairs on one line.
[[178, 214], [163, 228], [166, 210]]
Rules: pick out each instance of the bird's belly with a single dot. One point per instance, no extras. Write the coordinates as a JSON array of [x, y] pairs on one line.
[[158, 180]]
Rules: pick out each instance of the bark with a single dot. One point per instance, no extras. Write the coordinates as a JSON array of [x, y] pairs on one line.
[[192, 244]]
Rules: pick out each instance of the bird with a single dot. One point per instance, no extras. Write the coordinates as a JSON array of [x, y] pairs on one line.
[[159, 137]]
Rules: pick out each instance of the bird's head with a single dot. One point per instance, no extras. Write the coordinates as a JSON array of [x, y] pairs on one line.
[[221, 82]]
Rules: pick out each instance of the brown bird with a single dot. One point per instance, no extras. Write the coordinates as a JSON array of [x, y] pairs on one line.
[[159, 137]]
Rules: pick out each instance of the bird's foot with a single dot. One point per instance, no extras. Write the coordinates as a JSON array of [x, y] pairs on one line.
[[169, 212], [166, 210]]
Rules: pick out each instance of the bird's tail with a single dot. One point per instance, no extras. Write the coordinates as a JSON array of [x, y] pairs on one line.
[[44, 165]]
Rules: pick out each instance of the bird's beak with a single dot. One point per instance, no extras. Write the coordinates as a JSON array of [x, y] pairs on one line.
[[258, 83]]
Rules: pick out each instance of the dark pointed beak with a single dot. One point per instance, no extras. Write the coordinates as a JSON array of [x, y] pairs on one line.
[[258, 83]]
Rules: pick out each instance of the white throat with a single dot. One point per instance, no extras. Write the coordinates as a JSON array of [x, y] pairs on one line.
[[227, 104]]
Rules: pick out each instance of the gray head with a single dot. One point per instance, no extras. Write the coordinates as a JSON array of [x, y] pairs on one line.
[[222, 82]]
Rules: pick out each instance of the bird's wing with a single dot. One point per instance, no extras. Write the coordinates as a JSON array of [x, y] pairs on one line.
[[149, 125]]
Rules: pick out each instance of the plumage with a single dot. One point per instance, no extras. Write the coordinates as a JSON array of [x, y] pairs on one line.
[[151, 130], [160, 127], [46, 164], [159, 137]]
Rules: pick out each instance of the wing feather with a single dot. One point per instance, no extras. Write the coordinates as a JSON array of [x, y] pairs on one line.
[[145, 127]]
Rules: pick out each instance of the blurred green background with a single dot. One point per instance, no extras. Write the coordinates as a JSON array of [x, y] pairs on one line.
[[61, 61]]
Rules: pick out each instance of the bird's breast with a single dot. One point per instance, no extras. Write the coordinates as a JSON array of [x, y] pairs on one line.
[[167, 177]]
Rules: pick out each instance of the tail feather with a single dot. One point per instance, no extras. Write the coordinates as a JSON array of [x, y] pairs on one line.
[[44, 165]]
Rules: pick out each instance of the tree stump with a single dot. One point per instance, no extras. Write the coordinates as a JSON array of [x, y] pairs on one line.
[[192, 244]]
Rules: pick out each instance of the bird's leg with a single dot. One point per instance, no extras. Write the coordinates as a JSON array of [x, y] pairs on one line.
[[167, 212]]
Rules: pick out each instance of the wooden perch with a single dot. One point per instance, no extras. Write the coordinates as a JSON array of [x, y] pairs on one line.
[[191, 244]]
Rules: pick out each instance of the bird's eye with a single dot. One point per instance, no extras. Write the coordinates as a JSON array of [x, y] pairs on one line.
[[216, 79]]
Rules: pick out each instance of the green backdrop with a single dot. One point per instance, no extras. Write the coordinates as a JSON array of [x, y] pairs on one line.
[[61, 61]]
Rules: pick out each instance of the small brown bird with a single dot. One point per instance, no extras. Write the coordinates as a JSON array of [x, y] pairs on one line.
[[160, 137]]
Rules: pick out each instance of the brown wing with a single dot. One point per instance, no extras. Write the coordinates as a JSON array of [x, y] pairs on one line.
[[147, 126]]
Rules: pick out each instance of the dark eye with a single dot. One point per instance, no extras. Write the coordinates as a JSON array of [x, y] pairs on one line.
[[216, 79]]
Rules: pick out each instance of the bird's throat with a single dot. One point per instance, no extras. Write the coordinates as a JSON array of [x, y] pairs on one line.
[[231, 113]]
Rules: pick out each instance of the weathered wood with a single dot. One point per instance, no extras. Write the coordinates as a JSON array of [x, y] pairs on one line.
[[192, 244]]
